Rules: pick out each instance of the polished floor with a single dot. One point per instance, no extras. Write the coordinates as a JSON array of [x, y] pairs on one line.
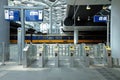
[[12, 71]]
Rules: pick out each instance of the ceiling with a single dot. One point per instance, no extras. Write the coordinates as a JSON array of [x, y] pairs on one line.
[[88, 2], [68, 11], [78, 15], [80, 10], [85, 15], [58, 10]]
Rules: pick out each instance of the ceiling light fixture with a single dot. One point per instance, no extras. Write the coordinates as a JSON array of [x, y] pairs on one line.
[[78, 19], [30, 5], [104, 7], [109, 7], [16, 2], [88, 7], [88, 18]]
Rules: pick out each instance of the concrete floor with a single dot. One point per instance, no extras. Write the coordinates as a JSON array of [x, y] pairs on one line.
[[12, 71]]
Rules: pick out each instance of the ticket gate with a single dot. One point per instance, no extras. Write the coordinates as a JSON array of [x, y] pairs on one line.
[[56, 53], [40, 56], [86, 55], [72, 50], [108, 56]]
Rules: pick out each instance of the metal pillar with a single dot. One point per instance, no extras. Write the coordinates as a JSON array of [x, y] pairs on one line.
[[108, 31], [23, 30], [75, 36], [50, 20], [19, 42]]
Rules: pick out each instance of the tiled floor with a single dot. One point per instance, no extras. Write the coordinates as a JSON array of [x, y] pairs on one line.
[[52, 74], [12, 71], [17, 72]]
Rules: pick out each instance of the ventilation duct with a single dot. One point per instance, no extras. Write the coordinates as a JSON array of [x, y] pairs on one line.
[[52, 0]]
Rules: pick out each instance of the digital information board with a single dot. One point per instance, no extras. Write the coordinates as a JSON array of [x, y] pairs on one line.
[[34, 15], [12, 15], [98, 18]]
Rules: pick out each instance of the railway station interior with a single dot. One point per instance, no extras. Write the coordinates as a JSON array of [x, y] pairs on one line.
[[59, 40]]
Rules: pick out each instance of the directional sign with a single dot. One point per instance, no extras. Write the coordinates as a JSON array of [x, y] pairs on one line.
[[98, 18], [33, 15], [12, 15]]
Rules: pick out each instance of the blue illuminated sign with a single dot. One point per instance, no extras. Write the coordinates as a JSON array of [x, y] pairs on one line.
[[33, 15], [98, 18], [12, 15]]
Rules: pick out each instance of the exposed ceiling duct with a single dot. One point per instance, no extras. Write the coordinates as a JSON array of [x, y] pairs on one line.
[[80, 15], [83, 16], [52, 0], [88, 2]]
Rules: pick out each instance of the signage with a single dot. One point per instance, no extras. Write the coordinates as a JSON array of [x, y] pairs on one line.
[[12, 15], [98, 18], [33, 15]]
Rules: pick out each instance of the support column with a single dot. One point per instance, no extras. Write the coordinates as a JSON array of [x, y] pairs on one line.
[[50, 20], [75, 36], [19, 43], [23, 32], [4, 29], [108, 31], [115, 28]]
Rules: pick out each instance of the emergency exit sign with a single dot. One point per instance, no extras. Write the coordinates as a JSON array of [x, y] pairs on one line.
[[98, 18]]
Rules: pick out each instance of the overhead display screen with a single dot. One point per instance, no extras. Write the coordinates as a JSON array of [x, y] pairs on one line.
[[12, 15], [98, 18], [34, 15]]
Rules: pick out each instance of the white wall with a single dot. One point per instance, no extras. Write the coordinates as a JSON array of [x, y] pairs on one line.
[[4, 25], [115, 28], [4, 28]]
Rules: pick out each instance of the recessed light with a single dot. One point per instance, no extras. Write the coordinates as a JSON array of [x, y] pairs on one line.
[[88, 7]]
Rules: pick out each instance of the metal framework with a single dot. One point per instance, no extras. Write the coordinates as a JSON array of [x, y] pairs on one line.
[[54, 12]]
